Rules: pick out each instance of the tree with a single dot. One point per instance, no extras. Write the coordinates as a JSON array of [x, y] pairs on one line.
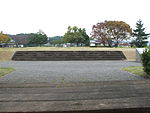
[[38, 38], [21, 39], [76, 35], [84, 36], [118, 31], [4, 38], [140, 34], [146, 61], [57, 42], [99, 31], [109, 31]]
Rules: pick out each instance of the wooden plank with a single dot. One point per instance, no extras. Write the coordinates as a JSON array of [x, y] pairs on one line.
[[82, 105], [72, 89], [68, 96], [56, 95], [68, 55], [100, 97], [76, 84]]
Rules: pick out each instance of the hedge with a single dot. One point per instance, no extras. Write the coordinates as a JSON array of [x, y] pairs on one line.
[[146, 61]]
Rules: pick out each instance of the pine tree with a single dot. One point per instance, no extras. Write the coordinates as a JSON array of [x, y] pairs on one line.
[[140, 34]]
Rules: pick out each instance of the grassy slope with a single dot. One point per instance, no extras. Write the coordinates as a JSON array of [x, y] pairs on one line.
[[6, 53], [137, 70], [4, 71]]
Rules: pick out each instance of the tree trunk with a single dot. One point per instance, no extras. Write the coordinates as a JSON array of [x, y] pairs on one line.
[[109, 43], [104, 44], [116, 44]]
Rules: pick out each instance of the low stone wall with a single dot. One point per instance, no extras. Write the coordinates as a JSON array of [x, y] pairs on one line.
[[130, 54]]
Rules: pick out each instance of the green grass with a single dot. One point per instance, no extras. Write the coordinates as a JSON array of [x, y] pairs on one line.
[[4, 71], [137, 70]]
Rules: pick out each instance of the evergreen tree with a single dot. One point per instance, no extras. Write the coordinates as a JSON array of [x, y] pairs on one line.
[[140, 34]]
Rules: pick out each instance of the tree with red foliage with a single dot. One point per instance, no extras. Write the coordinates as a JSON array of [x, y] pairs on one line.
[[109, 31]]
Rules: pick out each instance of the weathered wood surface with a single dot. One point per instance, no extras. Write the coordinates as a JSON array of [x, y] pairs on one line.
[[85, 97], [67, 55]]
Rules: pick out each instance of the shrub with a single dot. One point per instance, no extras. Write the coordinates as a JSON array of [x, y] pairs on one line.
[[146, 61]]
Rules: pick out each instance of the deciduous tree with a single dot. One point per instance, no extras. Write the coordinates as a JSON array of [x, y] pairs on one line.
[[76, 35], [99, 31], [4, 38], [38, 38], [21, 39], [109, 31], [118, 30]]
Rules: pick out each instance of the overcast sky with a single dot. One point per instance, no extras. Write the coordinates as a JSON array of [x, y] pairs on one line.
[[54, 16]]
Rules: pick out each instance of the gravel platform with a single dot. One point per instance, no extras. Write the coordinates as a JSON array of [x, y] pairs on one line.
[[67, 71]]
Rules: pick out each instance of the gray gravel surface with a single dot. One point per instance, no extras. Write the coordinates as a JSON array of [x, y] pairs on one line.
[[67, 71]]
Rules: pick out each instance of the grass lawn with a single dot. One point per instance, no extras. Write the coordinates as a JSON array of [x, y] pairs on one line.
[[7, 53], [137, 70], [4, 71]]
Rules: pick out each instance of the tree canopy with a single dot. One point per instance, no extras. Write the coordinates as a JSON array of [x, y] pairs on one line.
[[99, 31], [76, 35], [23, 39], [4, 38], [109, 31], [38, 38], [140, 35]]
